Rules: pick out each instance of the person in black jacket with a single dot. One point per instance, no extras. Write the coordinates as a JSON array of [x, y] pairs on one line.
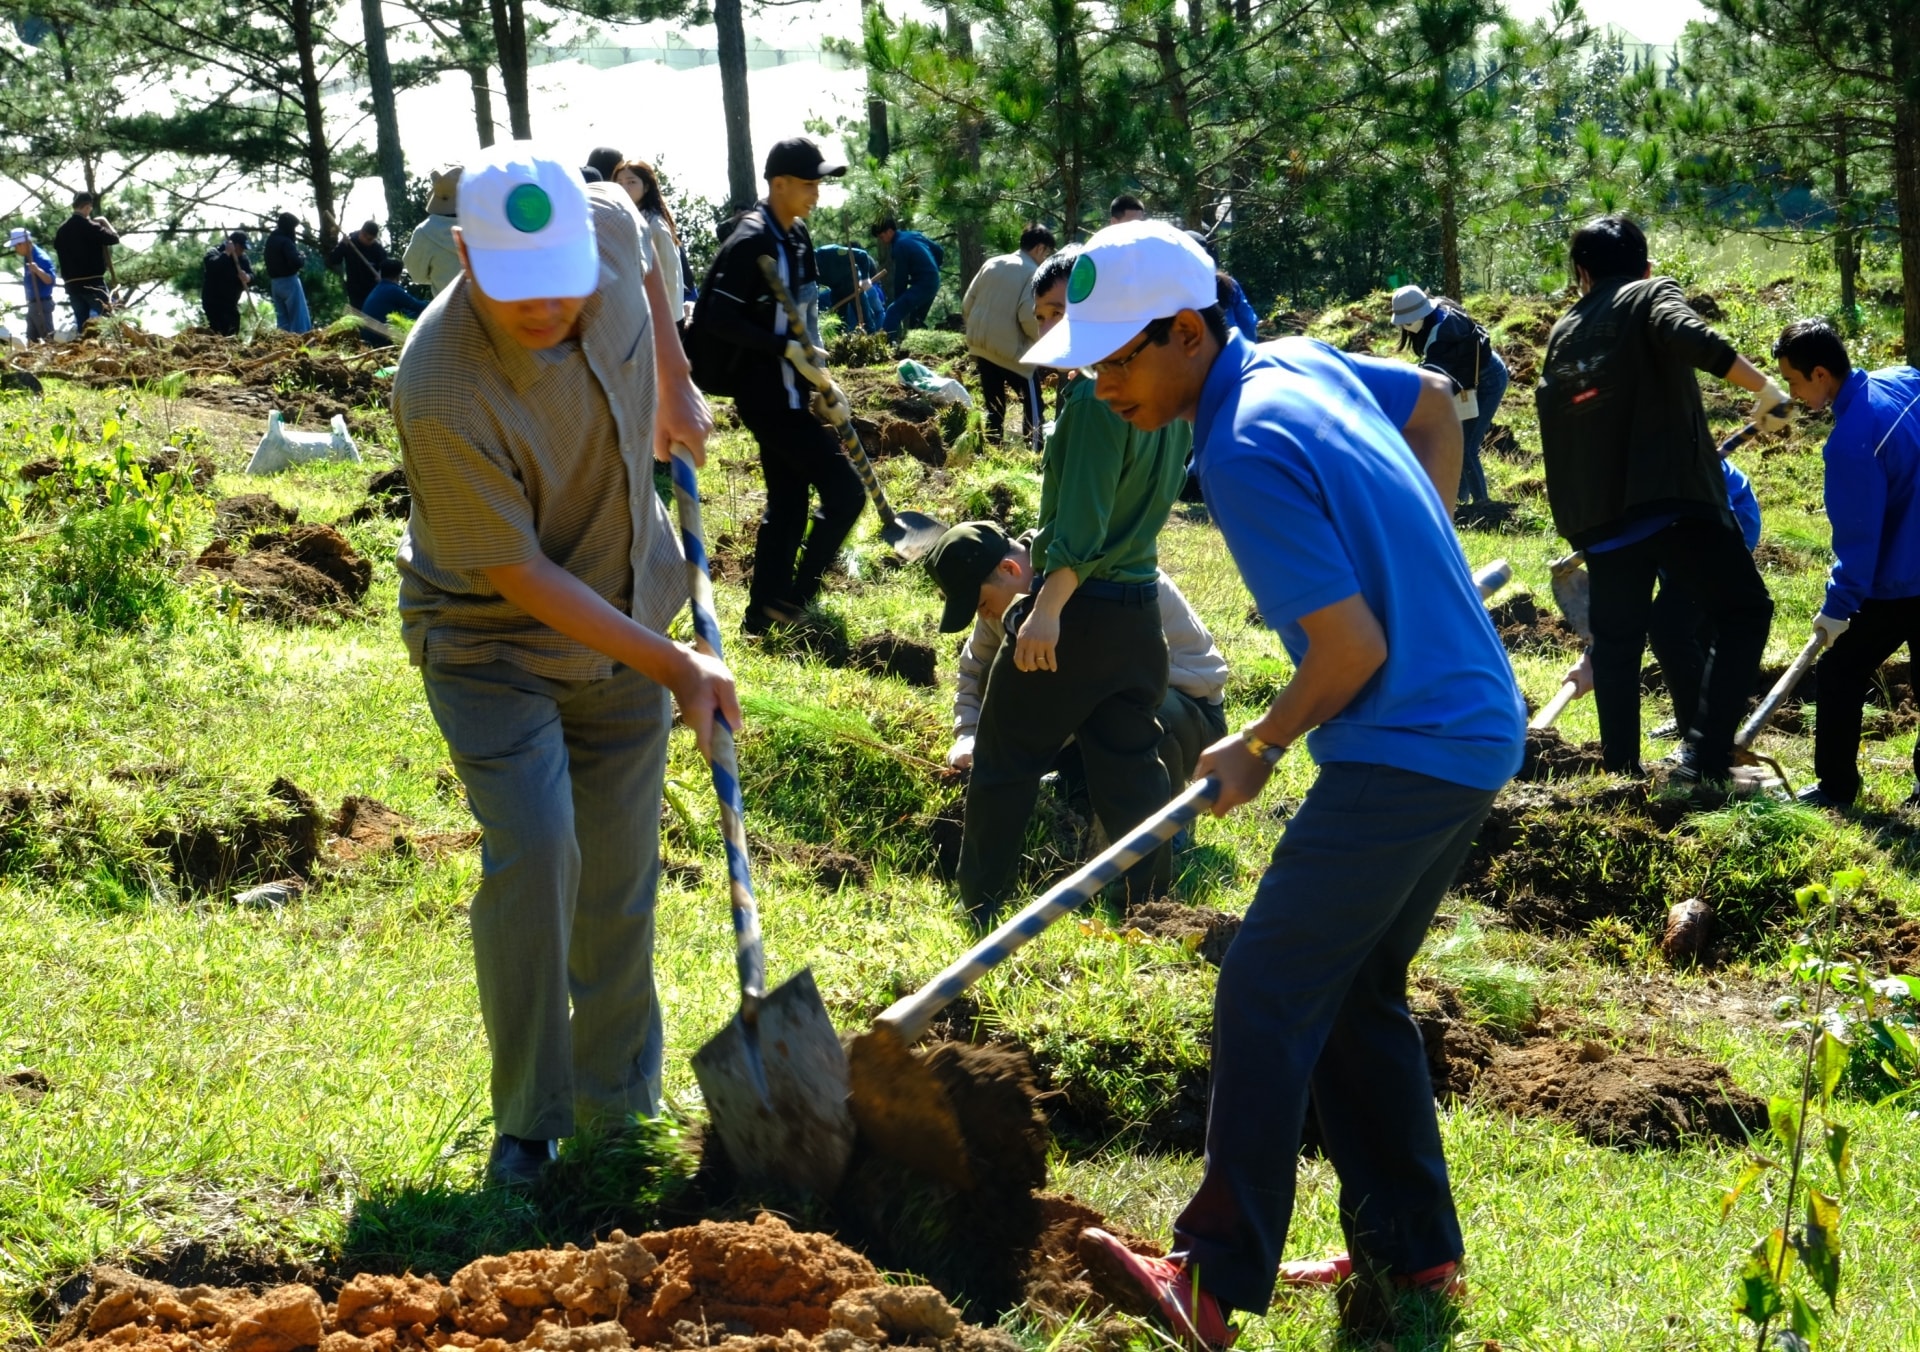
[[285, 260], [742, 347], [82, 242], [1451, 343], [362, 254], [226, 273], [1634, 481]]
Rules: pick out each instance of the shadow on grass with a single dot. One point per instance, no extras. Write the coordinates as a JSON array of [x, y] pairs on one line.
[[641, 1178], [1205, 870]]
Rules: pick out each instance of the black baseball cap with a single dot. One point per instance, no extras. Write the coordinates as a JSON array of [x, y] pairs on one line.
[[964, 558], [800, 157]]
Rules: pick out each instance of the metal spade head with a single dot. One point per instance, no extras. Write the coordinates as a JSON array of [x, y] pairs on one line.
[[912, 534], [1573, 591], [776, 1090]]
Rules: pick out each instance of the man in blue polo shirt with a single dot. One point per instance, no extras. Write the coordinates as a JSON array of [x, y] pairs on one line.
[[1873, 595], [1408, 704]]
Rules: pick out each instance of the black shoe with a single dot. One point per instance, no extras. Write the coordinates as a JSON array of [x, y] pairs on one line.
[[1815, 796], [518, 1163], [770, 615], [1668, 731]]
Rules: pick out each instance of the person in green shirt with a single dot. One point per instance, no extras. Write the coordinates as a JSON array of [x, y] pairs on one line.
[[1085, 657]]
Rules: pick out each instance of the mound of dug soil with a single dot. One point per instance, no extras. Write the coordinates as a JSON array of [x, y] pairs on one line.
[[1524, 626], [206, 856], [894, 655], [745, 1287], [1201, 930], [293, 576], [1551, 756], [365, 828], [1631, 1100], [250, 512], [387, 496]]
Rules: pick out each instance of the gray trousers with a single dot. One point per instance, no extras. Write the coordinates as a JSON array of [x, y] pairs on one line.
[[565, 778], [40, 319]]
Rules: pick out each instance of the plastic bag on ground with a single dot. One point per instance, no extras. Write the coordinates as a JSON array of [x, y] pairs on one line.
[[942, 390]]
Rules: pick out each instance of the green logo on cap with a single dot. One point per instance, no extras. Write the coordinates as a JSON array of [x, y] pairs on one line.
[[1080, 281], [529, 208]]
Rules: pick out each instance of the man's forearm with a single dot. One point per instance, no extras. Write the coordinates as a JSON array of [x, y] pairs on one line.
[[669, 357], [1433, 432], [1058, 589], [562, 602], [1746, 375]]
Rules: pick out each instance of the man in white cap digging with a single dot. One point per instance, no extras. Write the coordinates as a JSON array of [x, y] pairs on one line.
[[538, 574], [1409, 707]]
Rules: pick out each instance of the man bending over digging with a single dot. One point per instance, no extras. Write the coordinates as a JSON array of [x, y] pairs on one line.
[[1084, 656], [537, 575], [1409, 707]]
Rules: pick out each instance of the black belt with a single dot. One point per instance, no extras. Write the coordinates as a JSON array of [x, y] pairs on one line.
[[1126, 593]]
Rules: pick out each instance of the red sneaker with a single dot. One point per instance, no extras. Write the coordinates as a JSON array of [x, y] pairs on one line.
[[1317, 1271], [1171, 1288]]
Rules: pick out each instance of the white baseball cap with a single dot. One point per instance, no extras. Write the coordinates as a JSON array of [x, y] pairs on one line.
[[527, 224], [1127, 276]]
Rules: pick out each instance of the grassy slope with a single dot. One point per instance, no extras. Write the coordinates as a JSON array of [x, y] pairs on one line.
[[243, 1078]]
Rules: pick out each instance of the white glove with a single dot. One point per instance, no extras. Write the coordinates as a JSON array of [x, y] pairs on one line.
[[1581, 674], [1829, 629], [960, 754], [831, 407], [1770, 409]]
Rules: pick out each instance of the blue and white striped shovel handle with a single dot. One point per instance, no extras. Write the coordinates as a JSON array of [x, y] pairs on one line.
[[910, 1015], [748, 955]]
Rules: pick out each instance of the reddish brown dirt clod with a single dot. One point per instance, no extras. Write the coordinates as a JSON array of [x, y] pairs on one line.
[[1525, 626], [295, 575], [1201, 930], [1632, 1100], [1689, 927], [748, 1287], [1551, 756]]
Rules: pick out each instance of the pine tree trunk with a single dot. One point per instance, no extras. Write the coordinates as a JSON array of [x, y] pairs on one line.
[[879, 138], [475, 44], [319, 152], [742, 186], [1846, 241], [1906, 185], [969, 229], [388, 155], [510, 42]]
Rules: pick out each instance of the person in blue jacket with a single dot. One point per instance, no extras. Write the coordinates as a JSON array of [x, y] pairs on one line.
[[387, 299], [1408, 705], [1239, 309], [1872, 604], [915, 269]]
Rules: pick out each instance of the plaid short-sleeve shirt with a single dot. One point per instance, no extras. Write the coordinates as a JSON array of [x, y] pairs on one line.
[[511, 453]]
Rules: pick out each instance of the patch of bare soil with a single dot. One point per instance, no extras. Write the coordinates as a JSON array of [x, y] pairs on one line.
[[1629, 1100], [211, 856], [1501, 517], [830, 869], [25, 1084], [387, 496], [1550, 756], [1201, 930], [1526, 626], [366, 828], [295, 576], [246, 513], [198, 470], [747, 1287], [889, 654], [1501, 442], [1458, 1049]]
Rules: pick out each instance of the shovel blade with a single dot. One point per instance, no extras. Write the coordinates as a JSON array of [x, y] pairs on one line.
[[903, 1109], [912, 535], [1572, 592], [777, 1091]]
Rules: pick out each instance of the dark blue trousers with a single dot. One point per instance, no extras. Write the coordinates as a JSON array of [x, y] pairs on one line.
[[1313, 994]]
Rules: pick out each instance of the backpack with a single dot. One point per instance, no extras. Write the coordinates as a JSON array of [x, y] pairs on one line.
[[714, 363]]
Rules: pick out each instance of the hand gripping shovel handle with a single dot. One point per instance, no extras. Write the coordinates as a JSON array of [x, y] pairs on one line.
[[849, 438], [748, 955], [909, 1016], [1777, 696]]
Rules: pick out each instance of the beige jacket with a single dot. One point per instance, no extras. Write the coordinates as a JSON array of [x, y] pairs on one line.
[[431, 258], [998, 310]]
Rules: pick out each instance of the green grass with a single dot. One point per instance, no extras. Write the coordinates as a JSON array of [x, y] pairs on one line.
[[309, 1084]]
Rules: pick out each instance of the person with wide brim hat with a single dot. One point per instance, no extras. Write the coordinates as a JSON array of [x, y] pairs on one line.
[[1448, 341], [1408, 704]]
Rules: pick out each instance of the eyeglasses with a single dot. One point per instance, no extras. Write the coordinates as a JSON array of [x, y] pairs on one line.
[[1113, 366]]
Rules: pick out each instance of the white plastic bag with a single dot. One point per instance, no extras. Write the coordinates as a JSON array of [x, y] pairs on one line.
[[280, 448], [942, 390]]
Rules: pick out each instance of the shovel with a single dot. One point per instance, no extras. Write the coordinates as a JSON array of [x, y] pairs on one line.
[[909, 534], [775, 1079], [1743, 752], [1492, 578], [898, 1103]]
